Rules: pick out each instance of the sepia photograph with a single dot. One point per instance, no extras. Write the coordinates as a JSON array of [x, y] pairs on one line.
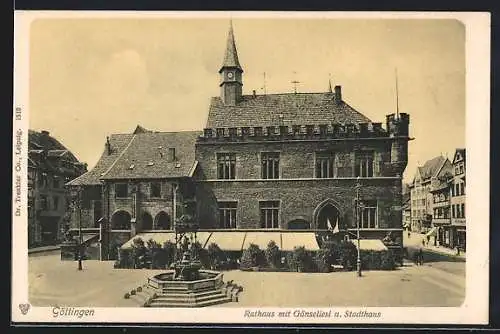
[[278, 167]]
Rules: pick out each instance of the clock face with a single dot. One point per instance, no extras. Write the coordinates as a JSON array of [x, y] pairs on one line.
[[230, 75]]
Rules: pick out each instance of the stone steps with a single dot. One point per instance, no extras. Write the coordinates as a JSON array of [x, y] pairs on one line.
[[202, 302], [190, 294], [189, 298]]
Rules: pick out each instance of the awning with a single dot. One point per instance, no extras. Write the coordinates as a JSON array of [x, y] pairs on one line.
[[290, 240], [160, 238], [262, 239], [432, 232], [370, 244], [239, 240], [227, 241]]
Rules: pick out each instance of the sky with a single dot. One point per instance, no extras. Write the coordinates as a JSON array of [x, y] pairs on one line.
[[90, 78]]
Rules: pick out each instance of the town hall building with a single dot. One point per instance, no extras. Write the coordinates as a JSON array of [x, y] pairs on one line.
[[265, 166]]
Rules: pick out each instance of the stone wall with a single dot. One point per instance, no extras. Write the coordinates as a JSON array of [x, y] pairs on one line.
[[297, 159], [299, 199]]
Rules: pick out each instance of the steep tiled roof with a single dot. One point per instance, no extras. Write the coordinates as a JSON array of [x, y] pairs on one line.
[[142, 151], [47, 154], [295, 109], [431, 167], [118, 142], [40, 140], [146, 156]]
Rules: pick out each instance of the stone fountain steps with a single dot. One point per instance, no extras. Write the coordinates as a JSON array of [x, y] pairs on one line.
[[207, 300], [190, 295], [182, 290]]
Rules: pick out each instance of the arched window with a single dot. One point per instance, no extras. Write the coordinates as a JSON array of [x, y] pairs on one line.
[[120, 220], [162, 221], [147, 221]]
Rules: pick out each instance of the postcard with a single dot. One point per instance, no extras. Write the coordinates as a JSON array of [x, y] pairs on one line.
[[251, 167]]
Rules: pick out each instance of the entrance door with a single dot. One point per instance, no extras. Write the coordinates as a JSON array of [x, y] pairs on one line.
[[328, 217]]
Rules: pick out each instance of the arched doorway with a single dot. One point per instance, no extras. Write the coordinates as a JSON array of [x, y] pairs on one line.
[[147, 221], [298, 224], [162, 221], [327, 213], [120, 220]]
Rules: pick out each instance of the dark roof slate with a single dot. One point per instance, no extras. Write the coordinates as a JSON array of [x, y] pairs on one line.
[[431, 167], [118, 143], [295, 109], [47, 154], [38, 140], [146, 156]]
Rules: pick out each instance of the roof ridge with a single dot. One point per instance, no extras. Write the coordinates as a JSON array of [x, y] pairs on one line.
[[121, 154]]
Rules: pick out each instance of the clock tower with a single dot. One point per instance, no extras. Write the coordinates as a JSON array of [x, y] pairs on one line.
[[231, 73]]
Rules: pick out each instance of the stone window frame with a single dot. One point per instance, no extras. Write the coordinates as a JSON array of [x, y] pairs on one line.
[[222, 163], [115, 186], [44, 202], [364, 156], [278, 208], [228, 208], [270, 156], [363, 214], [158, 183], [55, 202], [331, 157]]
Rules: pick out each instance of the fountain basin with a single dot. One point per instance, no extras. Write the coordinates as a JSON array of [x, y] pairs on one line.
[[165, 282]]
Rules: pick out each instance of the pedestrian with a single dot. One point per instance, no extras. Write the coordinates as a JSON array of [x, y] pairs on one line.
[[458, 250], [423, 242], [428, 239], [421, 256], [409, 235]]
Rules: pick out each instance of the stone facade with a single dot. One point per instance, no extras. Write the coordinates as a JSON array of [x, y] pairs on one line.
[[300, 193]]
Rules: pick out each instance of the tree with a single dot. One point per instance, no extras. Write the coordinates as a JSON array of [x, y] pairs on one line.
[[168, 253], [138, 253], [215, 255], [272, 253], [253, 256]]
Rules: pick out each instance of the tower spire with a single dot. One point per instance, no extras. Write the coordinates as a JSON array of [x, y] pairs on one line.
[[231, 72], [329, 83], [231, 54]]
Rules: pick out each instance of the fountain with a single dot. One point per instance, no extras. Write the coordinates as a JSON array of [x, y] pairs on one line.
[[187, 285]]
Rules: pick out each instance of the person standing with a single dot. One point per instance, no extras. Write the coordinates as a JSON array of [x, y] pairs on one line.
[[421, 256]]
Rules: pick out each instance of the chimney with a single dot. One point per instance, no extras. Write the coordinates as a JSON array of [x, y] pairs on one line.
[[45, 132], [171, 154], [108, 145], [338, 93]]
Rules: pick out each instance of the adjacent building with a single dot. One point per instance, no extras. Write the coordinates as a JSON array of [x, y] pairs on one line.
[[427, 179], [455, 234], [263, 163], [446, 199], [50, 166]]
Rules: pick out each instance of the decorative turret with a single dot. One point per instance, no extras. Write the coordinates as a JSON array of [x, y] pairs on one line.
[[397, 127], [231, 72]]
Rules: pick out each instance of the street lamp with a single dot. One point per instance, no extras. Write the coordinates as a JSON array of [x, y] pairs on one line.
[[76, 192], [358, 260]]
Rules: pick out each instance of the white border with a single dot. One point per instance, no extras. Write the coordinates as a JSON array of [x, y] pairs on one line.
[[475, 308]]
